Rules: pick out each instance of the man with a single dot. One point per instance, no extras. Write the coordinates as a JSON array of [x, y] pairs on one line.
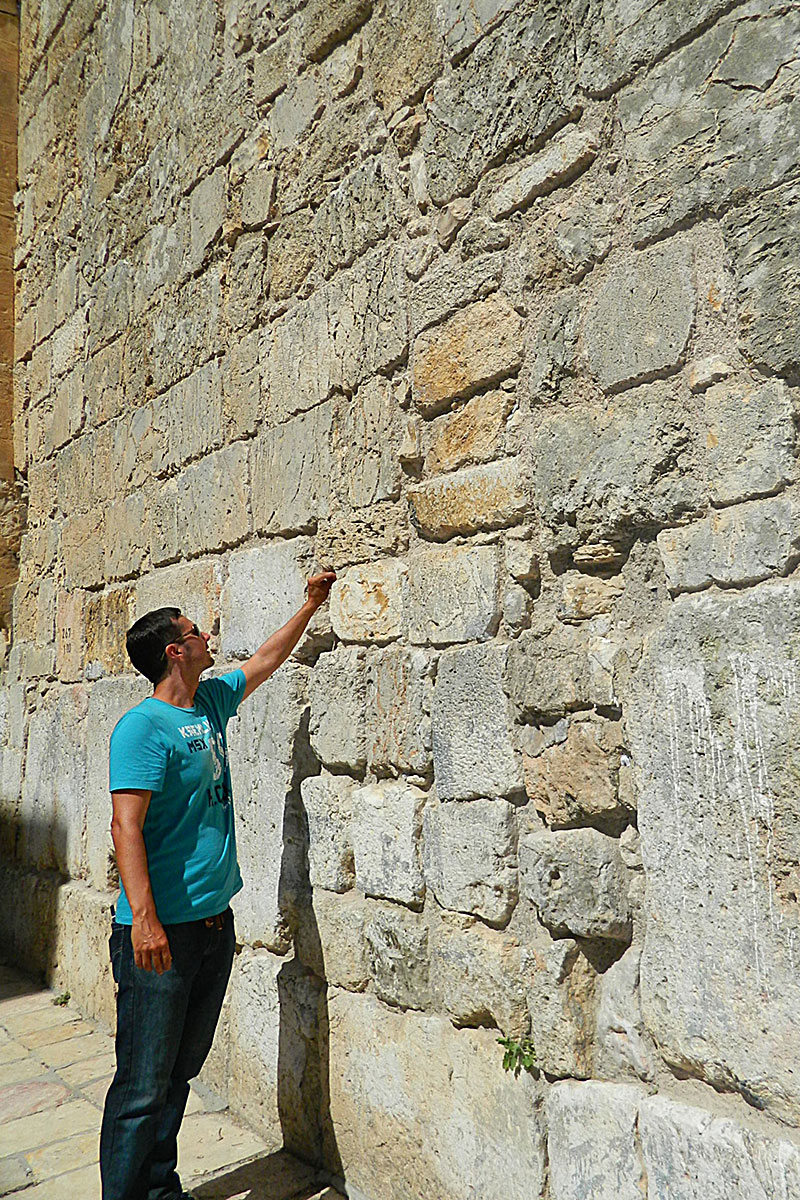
[[172, 939]]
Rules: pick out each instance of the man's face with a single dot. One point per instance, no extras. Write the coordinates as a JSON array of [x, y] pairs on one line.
[[195, 644]]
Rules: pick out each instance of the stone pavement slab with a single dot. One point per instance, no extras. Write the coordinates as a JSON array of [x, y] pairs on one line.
[[55, 1068]]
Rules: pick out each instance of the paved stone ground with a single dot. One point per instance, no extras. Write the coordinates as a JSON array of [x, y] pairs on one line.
[[55, 1067]]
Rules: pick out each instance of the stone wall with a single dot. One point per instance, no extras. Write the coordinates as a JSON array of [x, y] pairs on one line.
[[494, 308]]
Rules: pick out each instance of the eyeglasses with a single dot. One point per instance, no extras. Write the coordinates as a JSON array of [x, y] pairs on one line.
[[193, 632]]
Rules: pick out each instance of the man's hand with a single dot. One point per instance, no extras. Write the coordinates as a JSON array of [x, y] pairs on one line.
[[319, 586], [151, 950]]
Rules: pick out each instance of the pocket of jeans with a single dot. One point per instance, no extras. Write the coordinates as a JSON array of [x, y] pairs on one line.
[[115, 944]]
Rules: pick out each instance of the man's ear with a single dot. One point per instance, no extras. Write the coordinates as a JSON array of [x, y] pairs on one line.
[[172, 652]]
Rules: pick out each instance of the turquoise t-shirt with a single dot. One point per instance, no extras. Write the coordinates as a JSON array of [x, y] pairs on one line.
[[181, 756]]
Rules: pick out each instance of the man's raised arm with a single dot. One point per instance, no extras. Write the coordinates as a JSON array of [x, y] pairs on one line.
[[277, 648]]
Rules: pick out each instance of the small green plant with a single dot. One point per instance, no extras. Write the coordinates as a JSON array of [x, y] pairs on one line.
[[518, 1056], [61, 999]]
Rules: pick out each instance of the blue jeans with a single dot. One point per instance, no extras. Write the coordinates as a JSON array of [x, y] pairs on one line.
[[165, 1026]]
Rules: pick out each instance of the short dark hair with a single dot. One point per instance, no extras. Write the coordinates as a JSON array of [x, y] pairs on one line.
[[148, 638]]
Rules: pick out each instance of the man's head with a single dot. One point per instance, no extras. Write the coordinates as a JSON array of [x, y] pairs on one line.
[[165, 637]]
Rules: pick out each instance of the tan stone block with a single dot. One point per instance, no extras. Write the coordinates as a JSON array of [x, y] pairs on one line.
[[213, 501], [472, 434], [367, 604], [194, 587], [577, 779], [126, 537], [42, 1128], [474, 498], [585, 596], [292, 254], [69, 635], [350, 537], [82, 538], [21, 1070], [78, 1151], [106, 619], [84, 1182], [478, 346]]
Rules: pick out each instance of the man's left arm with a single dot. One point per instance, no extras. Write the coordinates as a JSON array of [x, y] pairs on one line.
[[277, 648]]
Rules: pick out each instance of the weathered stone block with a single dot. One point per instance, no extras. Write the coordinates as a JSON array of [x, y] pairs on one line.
[[740, 545], [368, 603], [402, 78], [289, 469], [475, 348], [330, 939], [265, 586], [611, 470], [328, 802], [325, 25], [512, 89], [241, 386], [212, 501], [473, 753], [622, 1045], [338, 699], [486, 497], [472, 434], [192, 587], [188, 418], [82, 548], [560, 991], [107, 618], [476, 975], [52, 811], [450, 286], [570, 153], [207, 211], [591, 1141], [301, 361], [453, 594], [689, 1153], [271, 70], [750, 440], [364, 435], [399, 693], [346, 537], [292, 252], [470, 857], [641, 318], [356, 214], [577, 779], [385, 827], [585, 596], [69, 635], [578, 883], [397, 950], [254, 1017], [396, 1076]]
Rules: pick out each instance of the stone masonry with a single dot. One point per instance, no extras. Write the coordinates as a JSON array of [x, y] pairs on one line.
[[494, 308]]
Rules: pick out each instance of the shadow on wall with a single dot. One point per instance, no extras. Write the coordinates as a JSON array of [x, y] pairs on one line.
[[304, 1033], [31, 886]]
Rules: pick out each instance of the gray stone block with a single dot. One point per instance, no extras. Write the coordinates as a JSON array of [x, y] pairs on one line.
[[577, 882], [365, 432], [212, 500], [751, 440], [397, 950], [328, 803], [470, 854], [560, 987], [739, 545], [570, 153], [289, 471], [476, 975], [712, 735], [591, 1141], [639, 323], [265, 586], [453, 594], [399, 694], [473, 752], [338, 698], [324, 24], [385, 827], [330, 939], [623, 1047], [553, 671]]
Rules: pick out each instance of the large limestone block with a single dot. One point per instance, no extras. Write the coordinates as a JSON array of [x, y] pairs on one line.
[[367, 604], [265, 586], [82, 549], [739, 545], [300, 360], [610, 470], [470, 855], [368, 315], [328, 803], [330, 938], [515, 87], [478, 346], [213, 510], [689, 1154], [289, 473], [623, 1047], [109, 699], [193, 587], [484, 497], [400, 78], [397, 951], [473, 753], [345, 537], [453, 594], [591, 1141], [80, 962], [560, 991], [762, 239], [324, 25], [126, 537], [641, 317], [751, 440], [399, 694], [267, 746], [106, 619], [448, 287], [568, 667], [712, 729], [560, 162], [53, 810], [473, 433], [476, 975], [578, 883], [386, 825], [364, 437], [338, 699], [426, 1112], [188, 418], [696, 129], [356, 214], [577, 779], [254, 1015], [463, 22]]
